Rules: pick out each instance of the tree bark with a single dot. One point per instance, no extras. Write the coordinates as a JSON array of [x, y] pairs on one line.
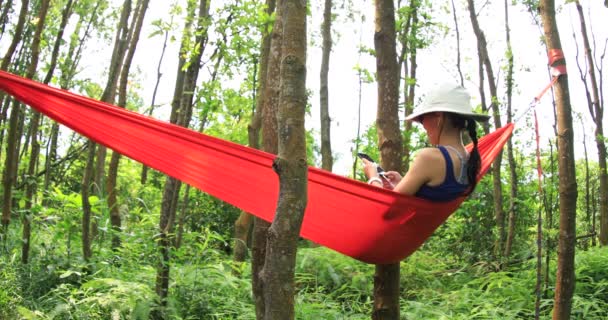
[[596, 109], [87, 179], [327, 160], [386, 278], [243, 224], [410, 47], [4, 16], [144, 168], [510, 156], [134, 33], [270, 145], [181, 112], [290, 165], [565, 279], [482, 46], [51, 151], [31, 186], [10, 166], [108, 96]]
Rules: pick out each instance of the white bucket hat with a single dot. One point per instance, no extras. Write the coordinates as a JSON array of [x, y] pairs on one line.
[[447, 97]]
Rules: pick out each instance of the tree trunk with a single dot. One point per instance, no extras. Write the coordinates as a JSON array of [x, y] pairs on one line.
[[4, 16], [565, 279], [51, 151], [270, 145], [108, 96], [10, 166], [87, 179], [482, 46], [181, 112], [182, 219], [134, 32], [291, 166], [244, 222], [144, 168], [596, 109], [457, 29], [109, 93], [510, 157], [386, 278], [410, 47], [327, 160], [32, 183]]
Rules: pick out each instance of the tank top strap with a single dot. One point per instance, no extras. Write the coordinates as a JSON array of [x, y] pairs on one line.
[[449, 165], [463, 163]]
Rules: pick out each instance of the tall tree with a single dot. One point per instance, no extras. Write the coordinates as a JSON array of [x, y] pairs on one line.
[[32, 184], [133, 39], [386, 277], [269, 144], [245, 220], [409, 40], [510, 156], [596, 109], [327, 160], [565, 279], [486, 64], [108, 96], [10, 163], [191, 50], [290, 165]]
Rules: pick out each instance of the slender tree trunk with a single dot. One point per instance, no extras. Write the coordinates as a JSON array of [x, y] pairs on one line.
[[244, 222], [590, 215], [279, 268], [181, 112], [409, 74], [4, 16], [10, 166], [181, 219], [108, 96], [144, 168], [327, 160], [458, 59], [549, 206], [596, 109], [87, 179], [51, 151], [487, 65], [134, 32], [17, 35], [109, 93], [270, 145], [31, 186], [510, 157], [565, 279], [386, 278]]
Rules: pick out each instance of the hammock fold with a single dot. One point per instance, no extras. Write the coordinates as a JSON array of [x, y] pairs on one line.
[[367, 223]]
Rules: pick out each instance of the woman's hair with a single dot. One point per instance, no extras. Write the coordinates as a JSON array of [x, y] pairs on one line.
[[474, 163]]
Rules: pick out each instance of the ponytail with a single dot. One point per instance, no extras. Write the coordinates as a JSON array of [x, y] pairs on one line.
[[474, 163]]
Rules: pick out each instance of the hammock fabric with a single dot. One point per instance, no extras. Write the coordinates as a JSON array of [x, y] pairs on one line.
[[368, 223]]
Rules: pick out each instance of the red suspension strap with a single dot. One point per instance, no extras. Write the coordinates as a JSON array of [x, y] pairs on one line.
[[555, 55]]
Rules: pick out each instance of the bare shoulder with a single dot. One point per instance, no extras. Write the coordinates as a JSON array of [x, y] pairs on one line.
[[428, 154]]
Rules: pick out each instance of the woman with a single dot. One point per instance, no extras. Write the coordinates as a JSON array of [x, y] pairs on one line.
[[447, 171]]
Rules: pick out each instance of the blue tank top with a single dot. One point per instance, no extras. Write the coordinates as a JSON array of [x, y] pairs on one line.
[[451, 188]]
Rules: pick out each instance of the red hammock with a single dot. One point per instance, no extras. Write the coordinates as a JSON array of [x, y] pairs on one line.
[[368, 223]]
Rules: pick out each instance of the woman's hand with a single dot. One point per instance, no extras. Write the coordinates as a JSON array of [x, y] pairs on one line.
[[393, 177], [370, 169]]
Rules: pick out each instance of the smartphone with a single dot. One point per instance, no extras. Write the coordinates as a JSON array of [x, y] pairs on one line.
[[368, 158]]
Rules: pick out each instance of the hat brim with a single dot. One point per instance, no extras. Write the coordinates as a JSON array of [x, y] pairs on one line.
[[475, 116]]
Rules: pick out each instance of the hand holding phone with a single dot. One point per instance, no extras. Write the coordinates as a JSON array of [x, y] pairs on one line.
[[368, 158]]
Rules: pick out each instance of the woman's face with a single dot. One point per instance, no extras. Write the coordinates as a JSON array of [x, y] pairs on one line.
[[432, 124]]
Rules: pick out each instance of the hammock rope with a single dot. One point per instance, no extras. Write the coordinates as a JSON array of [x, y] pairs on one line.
[[371, 224]]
